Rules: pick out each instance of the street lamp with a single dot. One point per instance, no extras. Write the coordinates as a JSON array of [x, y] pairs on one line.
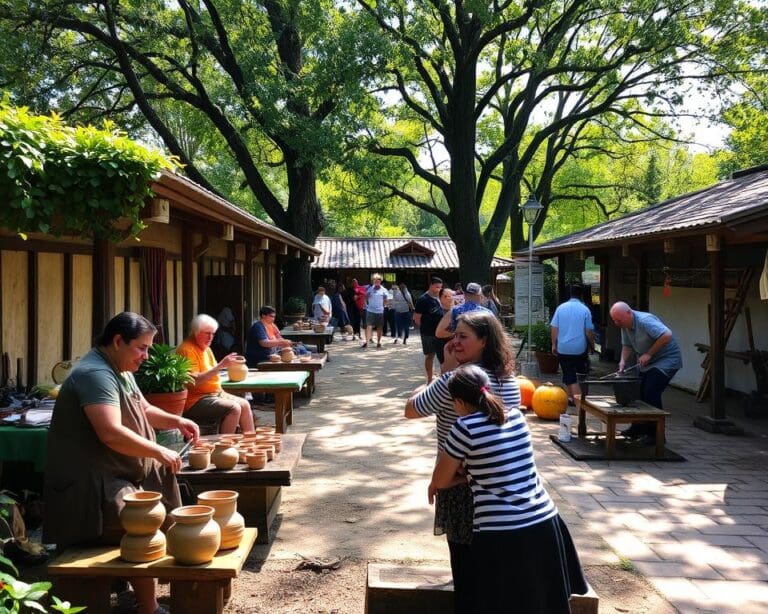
[[531, 210]]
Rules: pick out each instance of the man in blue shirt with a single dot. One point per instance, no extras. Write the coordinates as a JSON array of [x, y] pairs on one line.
[[572, 338], [658, 357]]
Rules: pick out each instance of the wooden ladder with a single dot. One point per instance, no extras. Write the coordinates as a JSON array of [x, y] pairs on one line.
[[733, 308]]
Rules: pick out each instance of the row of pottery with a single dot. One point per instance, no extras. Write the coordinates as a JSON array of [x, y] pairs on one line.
[[198, 532], [227, 452]]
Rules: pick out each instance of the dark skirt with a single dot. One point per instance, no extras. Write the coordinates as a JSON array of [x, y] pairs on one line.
[[533, 570], [454, 510]]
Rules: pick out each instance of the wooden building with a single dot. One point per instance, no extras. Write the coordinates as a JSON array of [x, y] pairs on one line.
[[410, 259], [199, 253], [695, 261]]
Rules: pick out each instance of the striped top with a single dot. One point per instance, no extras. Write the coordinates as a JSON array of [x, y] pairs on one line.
[[435, 400], [506, 488]]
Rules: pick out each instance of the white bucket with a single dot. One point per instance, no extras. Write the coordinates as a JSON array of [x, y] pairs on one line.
[[564, 434]]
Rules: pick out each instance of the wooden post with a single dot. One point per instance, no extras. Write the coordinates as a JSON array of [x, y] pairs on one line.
[[716, 335], [250, 310], [32, 319], [103, 284], [642, 282], [561, 294]]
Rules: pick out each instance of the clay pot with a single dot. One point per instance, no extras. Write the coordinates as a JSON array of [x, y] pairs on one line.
[[143, 513], [195, 537], [319, 328], [305, 358], [199, 458], [274, 358], [231, 522], [224, 456], [242, 451], [275, 441], [268, 448], [142, 548], [265, 430], [237, 370], [287, 355], [256, 459]]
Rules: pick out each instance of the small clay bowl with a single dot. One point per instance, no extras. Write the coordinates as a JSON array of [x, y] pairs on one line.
[[256, 460]]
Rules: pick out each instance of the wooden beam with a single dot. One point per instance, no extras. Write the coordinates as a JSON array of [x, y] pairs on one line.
[[231, 253], [560, 279], [310, 258], [228, 232], [187, 275], [32, 312], [201, 249], [262, 244], [103, 283], [714, 243], [282, 250], [625, 250], [669, 246], [297, 253], [641, 289], [159, 211], [69, 297], [717, 335]]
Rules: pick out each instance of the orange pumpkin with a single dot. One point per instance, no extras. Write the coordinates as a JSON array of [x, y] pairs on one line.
[[549, 401], [527, 388]]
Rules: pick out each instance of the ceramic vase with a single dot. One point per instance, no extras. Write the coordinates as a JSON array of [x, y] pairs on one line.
[[224, 456], [195, 536], [237, 370], [142, 548], [287, 355], [199, 458], [256, 459], [143, 513], [231, 522]]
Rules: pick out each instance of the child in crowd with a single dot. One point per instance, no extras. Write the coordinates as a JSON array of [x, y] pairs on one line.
[[522, 556]]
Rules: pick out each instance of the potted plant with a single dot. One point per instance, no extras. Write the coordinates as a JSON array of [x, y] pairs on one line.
[[541, 344], [163, 378], [294, 310]]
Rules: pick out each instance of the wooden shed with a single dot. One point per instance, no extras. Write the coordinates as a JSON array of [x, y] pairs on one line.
[[695, 261], [199, 253]]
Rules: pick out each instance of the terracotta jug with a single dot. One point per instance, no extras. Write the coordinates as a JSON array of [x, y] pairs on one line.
[[224, 456], [195, 537], [237, 370], [287, 355], [143, 513], [142, 548], [226, 515]]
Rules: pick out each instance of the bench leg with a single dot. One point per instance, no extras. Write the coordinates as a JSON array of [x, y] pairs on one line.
[[198, 596], [610, 437], [283, 410], [582, 422], [259, 506], [93, 593], [660, 437]]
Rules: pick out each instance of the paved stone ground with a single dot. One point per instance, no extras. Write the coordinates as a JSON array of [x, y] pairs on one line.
[[697, 530]]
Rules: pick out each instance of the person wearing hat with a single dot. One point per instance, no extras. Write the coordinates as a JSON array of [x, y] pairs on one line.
[[473, 301]]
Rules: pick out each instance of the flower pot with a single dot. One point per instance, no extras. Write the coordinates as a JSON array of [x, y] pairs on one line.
[[172, 402], [237, 370], [195, 536], [547, 362], [143, 548], [231, 523], [224, 456], [143, 513]]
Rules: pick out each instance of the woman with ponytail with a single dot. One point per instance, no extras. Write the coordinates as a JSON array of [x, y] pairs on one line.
[[480, 340], [522, 558]]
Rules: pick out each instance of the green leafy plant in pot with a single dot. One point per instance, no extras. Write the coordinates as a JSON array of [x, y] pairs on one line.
[[541, 344], [163, 378], [294, 309]]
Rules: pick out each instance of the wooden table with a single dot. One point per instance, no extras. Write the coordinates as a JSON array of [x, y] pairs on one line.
[[260, 489], [607, 410], [281, 384], [308, 336], [83, 576], [316, 363]]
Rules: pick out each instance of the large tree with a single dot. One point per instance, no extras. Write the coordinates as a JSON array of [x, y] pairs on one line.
[[270, 86], [505, 90]]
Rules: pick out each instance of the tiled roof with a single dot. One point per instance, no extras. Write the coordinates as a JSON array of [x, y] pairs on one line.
[[357, 253], [722, 204]]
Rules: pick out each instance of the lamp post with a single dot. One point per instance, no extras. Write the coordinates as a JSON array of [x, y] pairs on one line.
[[531, 210]]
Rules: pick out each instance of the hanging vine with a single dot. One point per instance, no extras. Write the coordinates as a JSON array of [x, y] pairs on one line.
[[63, 180]]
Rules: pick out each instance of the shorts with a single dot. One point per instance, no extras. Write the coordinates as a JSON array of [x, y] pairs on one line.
[[213, 407], [374, 320], [428, 344], [571, 365]]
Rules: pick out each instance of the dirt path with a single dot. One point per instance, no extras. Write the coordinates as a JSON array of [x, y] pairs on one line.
[[359, 494]]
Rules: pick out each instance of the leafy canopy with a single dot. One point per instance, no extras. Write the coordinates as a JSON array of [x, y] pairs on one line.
[[60, 179]]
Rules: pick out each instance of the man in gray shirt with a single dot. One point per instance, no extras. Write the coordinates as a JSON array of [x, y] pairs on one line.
[[658, 357]]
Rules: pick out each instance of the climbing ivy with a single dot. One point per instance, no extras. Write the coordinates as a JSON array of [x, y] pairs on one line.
[[58, 179]]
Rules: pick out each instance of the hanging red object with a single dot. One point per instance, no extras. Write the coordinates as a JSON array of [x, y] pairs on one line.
[[667, 286]]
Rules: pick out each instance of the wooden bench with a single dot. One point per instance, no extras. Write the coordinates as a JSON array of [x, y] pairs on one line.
[[83, 576], [316, 363], [400, 589], [260, 489]]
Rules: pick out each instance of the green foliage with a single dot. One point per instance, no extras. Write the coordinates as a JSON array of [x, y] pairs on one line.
[[295, 305], [63, 180], [164, 371], [541, 338]]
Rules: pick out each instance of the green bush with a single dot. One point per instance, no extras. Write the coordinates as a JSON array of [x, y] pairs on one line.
[[541, 337], [295, 305]]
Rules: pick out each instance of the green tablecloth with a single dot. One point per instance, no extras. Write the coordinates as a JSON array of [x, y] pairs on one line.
[[268, 379], [24, 444]]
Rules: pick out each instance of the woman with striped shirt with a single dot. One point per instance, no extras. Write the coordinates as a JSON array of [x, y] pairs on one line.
[[481, 340], [522, 556]]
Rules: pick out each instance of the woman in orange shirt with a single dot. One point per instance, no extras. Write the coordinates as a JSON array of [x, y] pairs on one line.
[[206, 401]]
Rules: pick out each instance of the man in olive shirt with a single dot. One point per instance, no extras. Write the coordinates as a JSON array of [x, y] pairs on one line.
[[427, 315]]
